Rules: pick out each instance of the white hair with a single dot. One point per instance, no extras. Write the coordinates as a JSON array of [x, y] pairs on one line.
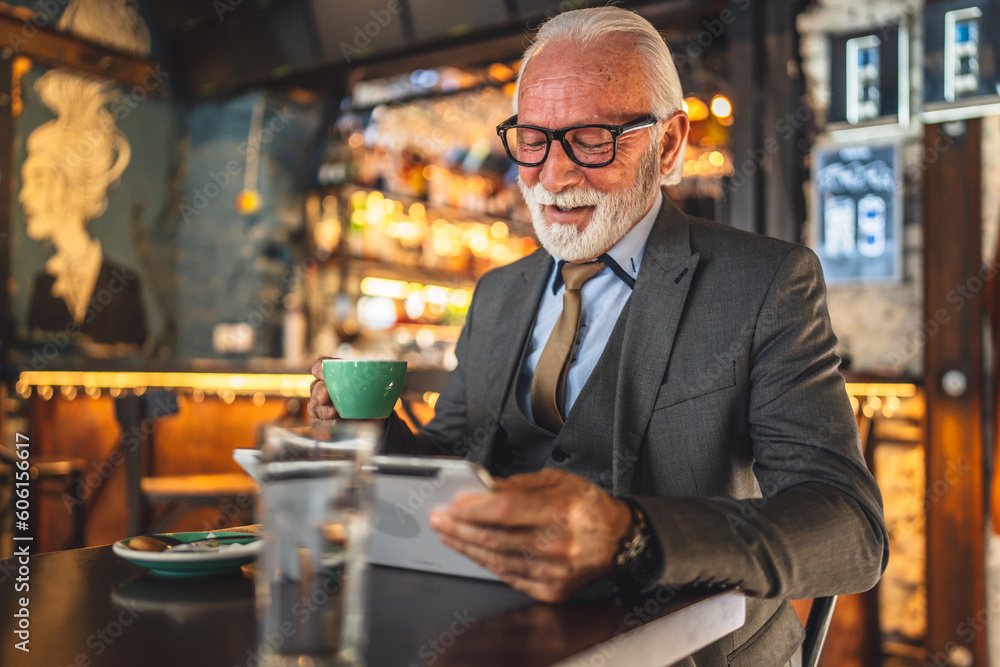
[[584, 27]]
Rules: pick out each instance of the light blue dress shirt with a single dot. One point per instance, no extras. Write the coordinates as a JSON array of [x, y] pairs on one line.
[[603, 297]]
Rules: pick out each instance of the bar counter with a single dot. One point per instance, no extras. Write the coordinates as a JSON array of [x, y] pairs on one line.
[[89, 608]]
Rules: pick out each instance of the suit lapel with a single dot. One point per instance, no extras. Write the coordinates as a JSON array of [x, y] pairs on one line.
[[657, 304], [511, 324]]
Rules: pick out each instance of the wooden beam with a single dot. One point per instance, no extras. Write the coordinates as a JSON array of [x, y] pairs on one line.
[[953, 302], [21, 37]]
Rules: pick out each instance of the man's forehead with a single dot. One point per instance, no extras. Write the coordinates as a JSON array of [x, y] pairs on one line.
[[590, 78], [607, 58]]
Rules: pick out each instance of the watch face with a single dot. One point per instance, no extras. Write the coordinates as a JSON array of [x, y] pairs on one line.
[[641, 560], [644, 559]]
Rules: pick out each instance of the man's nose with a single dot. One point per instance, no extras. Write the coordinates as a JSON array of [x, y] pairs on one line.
[[558, 171]]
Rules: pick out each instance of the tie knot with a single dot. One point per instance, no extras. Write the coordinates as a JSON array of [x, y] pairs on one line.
[[575, 275]]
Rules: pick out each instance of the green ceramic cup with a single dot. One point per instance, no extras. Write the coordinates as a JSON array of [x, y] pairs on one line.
[[363, 389]]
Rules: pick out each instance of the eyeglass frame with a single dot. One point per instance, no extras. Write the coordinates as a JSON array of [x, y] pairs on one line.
[[649, 120]]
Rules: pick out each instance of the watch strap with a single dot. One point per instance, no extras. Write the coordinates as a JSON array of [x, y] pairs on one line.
[[639, 561]]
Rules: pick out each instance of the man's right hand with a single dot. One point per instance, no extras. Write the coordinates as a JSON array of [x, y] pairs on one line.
[[320, 406]]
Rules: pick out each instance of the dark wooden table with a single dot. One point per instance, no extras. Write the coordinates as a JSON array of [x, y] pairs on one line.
[[89, 608]]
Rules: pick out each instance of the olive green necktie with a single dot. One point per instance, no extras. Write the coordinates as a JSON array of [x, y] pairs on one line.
[[549, 380]]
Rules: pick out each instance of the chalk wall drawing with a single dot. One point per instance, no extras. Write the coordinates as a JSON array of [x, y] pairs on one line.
[[72, 161]]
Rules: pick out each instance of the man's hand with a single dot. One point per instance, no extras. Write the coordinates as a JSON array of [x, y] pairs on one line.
[[547, 533], [320, 406]]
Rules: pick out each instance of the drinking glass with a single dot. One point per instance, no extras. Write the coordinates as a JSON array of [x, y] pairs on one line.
[[312, 574]]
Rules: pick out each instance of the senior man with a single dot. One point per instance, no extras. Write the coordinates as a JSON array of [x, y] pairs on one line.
[[659, 392]]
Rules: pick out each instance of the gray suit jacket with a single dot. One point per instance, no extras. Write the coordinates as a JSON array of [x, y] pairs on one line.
[[730, 423]]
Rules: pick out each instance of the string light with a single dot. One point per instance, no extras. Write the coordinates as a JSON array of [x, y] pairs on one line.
[[198, 383]]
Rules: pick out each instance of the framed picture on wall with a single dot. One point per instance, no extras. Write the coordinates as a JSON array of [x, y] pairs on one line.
[[961, 72], [857, 210], [869, 79], [90, 181]]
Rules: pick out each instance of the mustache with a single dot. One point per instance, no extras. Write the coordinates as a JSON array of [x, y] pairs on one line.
[[573, 198]]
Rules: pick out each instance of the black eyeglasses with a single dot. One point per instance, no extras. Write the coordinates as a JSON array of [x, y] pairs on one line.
[[586, 145]]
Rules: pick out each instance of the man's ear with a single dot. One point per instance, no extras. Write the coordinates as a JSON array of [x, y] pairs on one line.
[[675, 132]]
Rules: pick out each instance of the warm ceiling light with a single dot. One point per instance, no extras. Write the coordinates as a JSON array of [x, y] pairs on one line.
[[392, 289], [696, 109], [500, 72], [248, 202], [721, 106]]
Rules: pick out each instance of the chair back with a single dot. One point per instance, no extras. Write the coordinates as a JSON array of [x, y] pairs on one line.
[[7, 456], [820, 615]]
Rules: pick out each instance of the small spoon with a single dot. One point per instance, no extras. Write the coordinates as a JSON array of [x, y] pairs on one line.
[[165, 542]]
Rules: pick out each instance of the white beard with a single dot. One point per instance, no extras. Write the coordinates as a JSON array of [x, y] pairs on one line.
[[613, 216]]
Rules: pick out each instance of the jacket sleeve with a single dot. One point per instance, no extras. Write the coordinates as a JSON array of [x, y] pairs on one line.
[[818, 527], [446, 433]]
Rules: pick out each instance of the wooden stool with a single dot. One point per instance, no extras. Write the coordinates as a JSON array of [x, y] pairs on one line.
[[138, 416], [67, 472], [183, 493]]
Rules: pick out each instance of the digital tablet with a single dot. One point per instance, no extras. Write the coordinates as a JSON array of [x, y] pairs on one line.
[[406, 490]]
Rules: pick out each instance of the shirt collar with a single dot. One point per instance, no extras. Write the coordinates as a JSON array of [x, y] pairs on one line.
[[625, 257]]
